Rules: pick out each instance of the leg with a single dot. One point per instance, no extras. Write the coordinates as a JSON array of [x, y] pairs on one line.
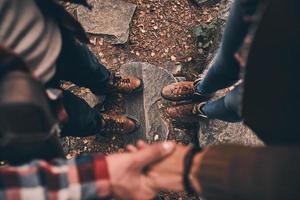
[[227, 108], [78, 64], [225, 70], [83, 120], [86, 121]]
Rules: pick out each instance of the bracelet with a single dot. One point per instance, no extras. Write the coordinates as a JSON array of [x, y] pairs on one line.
[[187, 168]]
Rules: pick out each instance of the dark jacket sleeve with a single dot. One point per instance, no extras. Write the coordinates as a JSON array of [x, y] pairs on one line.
[[261, 173]]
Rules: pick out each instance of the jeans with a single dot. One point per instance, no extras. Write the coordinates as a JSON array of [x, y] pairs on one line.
[[224, 72], [79, 65]]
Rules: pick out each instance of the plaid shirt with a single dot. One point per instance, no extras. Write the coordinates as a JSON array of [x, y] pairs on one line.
[[85, 177]]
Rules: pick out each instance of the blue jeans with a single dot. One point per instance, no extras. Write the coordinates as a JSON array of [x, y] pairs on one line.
[[225, 70]]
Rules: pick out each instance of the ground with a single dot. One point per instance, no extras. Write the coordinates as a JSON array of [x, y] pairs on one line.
[[160, 33]]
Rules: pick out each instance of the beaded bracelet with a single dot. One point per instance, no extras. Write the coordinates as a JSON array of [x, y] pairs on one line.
[[187, 168]]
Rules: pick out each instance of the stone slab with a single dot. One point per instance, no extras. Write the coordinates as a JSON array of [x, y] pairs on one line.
[[216, 132], [173, 68], [147, 106], [84, 93], [109, 18]]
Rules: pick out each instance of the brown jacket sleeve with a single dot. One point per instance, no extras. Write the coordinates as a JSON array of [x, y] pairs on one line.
[[263, 173]]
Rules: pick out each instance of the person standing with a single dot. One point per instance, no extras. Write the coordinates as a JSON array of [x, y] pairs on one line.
[[52, 44]]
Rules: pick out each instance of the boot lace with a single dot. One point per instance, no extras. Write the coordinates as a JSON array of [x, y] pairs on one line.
[[113, 124], [120, 81]]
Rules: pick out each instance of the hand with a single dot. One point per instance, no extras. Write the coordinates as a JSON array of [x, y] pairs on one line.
[[126, 170], [168, 173]]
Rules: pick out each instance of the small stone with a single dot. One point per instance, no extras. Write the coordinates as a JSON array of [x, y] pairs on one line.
[[172, 68], [156, 137], [137, 53], [155, 27], [100, 42], [152, 54], [100, 54], [173, 58], [93, 41], [115, 61]]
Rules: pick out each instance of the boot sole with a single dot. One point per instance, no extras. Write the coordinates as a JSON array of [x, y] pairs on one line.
[[136, 121]]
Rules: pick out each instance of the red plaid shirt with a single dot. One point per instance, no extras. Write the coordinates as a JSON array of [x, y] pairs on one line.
[[85, 177]]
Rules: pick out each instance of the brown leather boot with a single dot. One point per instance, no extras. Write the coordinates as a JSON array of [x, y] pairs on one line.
[[184, 90], [118, 124], [189, 112], [178, 91], [125, 84]]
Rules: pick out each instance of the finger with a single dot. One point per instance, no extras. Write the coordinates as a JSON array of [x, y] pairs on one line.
[[130, 148], [141, 144], [153, 153]]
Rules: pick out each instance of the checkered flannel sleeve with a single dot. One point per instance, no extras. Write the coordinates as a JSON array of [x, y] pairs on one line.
[[85, 177]]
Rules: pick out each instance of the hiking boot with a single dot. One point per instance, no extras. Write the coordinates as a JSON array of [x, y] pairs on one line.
[[189, 112], [178, 91], [118, 124], [125, 84], [182, 91]]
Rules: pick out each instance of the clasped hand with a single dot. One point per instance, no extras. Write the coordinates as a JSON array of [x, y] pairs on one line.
[[148, 169]]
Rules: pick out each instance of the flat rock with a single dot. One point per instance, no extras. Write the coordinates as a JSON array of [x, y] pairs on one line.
[[172, 68], [216, 132], [147, 106], [83, 93], [109, 18]]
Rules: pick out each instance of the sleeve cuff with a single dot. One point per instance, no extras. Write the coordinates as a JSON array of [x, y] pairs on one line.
[[222, 171], [102, 176]]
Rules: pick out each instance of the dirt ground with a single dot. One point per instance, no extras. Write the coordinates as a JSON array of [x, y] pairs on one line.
[[161, 32]]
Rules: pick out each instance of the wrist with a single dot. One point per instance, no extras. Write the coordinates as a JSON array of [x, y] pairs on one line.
[[102, 182], [188, 165], [194, 171]]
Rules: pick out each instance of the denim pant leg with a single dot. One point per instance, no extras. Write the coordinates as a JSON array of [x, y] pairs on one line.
[[79, 65], [224, 71], [227, 108], [83, 120]]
